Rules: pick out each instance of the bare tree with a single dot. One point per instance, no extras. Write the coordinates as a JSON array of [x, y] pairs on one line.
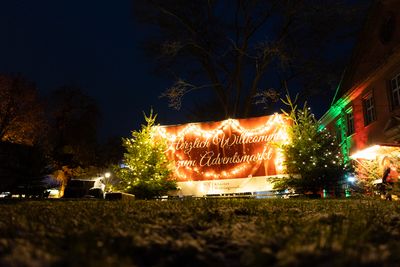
[[240, 50]]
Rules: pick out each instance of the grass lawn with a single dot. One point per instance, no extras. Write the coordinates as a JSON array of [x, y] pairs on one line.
[[236, 232]]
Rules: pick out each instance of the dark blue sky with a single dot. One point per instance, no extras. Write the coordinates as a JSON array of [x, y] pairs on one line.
[[91, 44]]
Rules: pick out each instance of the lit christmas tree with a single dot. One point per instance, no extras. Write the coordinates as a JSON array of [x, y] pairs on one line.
[[148, 172], [313, 157]]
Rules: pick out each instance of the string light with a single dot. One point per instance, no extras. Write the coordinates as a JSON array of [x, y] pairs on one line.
[[271, 132]]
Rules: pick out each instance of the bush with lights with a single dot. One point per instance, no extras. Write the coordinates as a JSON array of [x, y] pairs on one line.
[[147, 172], [370, 171], [367, 172], [312, 158]]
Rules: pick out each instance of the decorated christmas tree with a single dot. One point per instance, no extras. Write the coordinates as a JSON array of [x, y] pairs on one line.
[[313, 159], [147, 172]]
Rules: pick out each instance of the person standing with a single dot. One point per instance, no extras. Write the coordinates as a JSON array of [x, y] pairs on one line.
[[389, 178], [385, 184]]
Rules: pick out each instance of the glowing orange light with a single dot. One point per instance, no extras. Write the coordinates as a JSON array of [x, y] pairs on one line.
[[227, 149]]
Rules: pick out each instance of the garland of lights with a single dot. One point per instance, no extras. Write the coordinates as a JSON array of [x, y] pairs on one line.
[[276, 122]]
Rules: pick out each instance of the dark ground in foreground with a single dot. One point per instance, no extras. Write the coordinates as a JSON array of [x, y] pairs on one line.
[[200, 233]]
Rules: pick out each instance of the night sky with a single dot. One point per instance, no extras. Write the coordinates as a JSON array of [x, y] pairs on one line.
[[91, 44], [95, 45]]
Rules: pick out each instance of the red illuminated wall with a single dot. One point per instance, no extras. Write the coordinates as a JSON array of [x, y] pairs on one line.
[[374, 62], [227, 149]]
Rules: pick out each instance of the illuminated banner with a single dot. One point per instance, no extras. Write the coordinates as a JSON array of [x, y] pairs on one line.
[[228, 149]]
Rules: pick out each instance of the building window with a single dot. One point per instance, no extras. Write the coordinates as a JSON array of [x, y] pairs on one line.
[[350, 122], [387, 29], [395, 91], [369, 109]]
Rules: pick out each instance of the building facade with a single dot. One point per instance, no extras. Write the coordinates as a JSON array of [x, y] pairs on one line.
[[365, 115], [366, 112]]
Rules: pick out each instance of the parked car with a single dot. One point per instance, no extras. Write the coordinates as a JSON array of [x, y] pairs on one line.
[[5, 194], [79, 188]]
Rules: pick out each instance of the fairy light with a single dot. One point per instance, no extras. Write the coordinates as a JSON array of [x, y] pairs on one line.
[[275, 126], [234, 124]]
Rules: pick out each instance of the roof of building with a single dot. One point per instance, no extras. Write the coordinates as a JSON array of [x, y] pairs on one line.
[[377, 49]]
